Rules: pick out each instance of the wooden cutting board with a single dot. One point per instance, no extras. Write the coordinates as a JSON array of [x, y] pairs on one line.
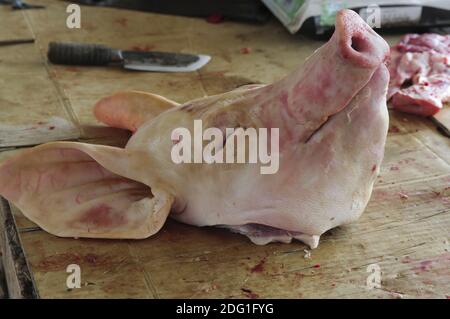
[[404, 230]]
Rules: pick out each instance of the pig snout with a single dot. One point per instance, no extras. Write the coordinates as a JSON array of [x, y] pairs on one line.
[[357, 42]]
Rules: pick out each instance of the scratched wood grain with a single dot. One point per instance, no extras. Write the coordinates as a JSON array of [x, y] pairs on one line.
[[3, 288], [31, 109], [404, 228]]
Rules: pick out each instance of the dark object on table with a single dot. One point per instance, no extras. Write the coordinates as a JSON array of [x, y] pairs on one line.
[[19, 281], [239, 10], [19, 5], [442, 120], [317, 21], [14, 42], [440, 30], [100, 55]]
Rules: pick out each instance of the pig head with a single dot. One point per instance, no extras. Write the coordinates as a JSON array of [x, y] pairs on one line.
[[332, 119]]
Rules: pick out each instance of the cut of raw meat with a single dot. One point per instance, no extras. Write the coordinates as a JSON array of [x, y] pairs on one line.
[[332, 119], [420, 74]]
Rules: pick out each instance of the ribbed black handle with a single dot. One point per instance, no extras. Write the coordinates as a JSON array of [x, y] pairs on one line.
[[79, 54]]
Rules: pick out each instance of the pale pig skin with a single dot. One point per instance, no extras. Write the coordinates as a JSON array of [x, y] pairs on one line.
[[333, 122]]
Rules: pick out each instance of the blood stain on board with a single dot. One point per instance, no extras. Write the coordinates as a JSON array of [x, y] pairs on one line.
[[72, 69], [249, 294], [91, 258], [394, 129], [423, 266], [259, 267], [439, 264], [59, 262], [436, 194], [403, 195], [215, 18], [406, 260], [407, 161], [122, 21], [89, 27], [380, 194]]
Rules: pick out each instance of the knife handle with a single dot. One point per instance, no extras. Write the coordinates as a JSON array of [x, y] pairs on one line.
[[81, 54]]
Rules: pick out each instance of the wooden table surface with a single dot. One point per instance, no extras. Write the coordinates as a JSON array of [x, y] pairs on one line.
[[408, 238]]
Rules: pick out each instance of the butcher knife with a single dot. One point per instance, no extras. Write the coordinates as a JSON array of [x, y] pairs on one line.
[[100, 55], [442, 120]]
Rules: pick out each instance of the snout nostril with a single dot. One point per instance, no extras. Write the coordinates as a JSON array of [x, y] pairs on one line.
[[359, 44]]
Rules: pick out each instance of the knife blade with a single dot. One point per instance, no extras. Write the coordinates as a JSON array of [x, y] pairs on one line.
[[100, 55]]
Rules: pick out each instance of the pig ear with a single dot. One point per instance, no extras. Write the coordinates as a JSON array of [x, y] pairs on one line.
[[82, 190], [130, 109]]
